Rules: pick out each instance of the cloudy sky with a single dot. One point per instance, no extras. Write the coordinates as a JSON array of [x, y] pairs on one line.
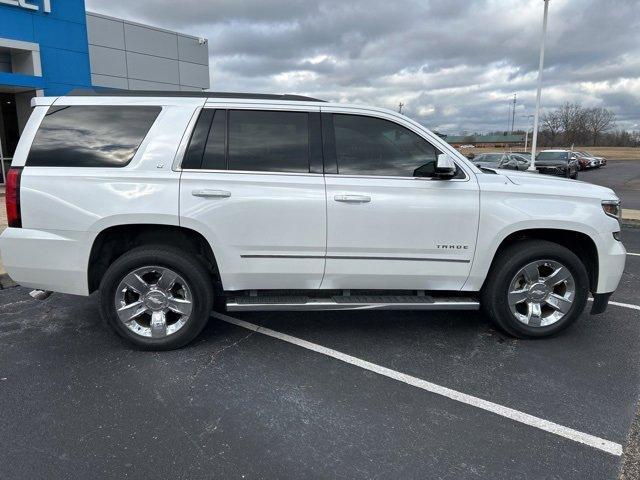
[[453, 63]]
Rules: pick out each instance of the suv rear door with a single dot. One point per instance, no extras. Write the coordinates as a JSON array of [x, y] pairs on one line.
[[390, 223], [252, 184]]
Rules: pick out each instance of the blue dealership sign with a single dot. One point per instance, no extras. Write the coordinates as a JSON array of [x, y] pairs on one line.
[[58, 29]]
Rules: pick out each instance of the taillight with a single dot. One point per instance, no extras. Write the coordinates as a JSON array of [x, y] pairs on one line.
[[12, 196]]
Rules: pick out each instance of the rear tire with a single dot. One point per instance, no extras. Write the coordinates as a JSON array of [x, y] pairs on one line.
[[526, 307], [167, 292]]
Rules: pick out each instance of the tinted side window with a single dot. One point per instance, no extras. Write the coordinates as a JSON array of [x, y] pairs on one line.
[[268, 141], [372, 146], [215, 151], [90, 136], [195, 150]]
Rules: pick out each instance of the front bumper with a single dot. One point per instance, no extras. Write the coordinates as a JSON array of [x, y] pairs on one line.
[[612, 257], [556, 171]]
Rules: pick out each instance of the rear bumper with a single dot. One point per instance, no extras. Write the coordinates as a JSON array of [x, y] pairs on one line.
[[46, 260]]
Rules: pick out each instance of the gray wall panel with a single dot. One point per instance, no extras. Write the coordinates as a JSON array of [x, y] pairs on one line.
[[105, 32], [152, 42], [144, 85], [109, 82], [108, 61], [128, 55], [154, 69], [194, 75], [189, 50]]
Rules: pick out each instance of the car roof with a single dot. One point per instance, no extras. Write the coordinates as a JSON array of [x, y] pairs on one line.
[[556, 150], [109, 92]]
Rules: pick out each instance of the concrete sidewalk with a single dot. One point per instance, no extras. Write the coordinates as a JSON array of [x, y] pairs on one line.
[[628, 214]]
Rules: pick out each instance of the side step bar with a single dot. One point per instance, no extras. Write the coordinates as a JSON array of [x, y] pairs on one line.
[[391, 302]]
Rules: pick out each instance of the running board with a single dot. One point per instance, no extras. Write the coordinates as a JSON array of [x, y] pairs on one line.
[[391, 302]]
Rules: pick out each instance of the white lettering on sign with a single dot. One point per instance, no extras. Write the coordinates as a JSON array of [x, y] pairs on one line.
[[29, 6]]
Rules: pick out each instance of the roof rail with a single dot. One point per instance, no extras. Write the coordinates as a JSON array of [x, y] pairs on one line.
[[110, 92]]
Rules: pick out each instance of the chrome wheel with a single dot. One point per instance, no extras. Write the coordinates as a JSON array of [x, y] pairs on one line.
[[153, 302], [541, 293]]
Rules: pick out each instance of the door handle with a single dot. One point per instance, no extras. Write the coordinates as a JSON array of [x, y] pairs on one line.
[[352, 198], [211, 193]]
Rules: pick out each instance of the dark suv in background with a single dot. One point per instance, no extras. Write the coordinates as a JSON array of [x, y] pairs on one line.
[[561, 163]]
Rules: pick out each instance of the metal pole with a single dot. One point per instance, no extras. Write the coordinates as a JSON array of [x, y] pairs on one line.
[[526, 135], [4, 177], [513, 116], [534, 141]]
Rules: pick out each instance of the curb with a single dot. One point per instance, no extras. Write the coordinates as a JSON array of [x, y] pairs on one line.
[[630, 214], [630, 223], [630, 467]]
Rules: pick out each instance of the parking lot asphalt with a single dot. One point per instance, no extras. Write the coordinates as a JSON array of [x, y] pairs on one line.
[[75, 402], [621, 175]]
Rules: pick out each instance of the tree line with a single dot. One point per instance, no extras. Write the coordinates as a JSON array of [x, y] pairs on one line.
[[572, 124]]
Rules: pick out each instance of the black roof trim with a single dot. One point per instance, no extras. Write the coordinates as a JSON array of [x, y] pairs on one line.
[[107, 92]]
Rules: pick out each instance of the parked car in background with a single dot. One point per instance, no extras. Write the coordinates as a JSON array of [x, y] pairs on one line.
[[597, 161], [561, 163], [506, 161], [467, 146], [584, 161]]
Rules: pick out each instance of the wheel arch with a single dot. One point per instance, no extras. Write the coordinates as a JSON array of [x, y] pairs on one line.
[[115, 240], [579, 243]]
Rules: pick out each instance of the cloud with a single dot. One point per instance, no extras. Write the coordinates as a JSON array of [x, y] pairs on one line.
[[454, 64]]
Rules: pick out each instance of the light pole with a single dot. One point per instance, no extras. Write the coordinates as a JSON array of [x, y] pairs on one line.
[[536, 116], [526, 135]]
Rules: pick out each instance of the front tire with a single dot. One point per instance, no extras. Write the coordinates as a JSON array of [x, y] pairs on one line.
[[157, 297], [535, 289]]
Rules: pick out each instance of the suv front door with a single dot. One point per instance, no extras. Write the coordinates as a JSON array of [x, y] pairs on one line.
[[391, 224], [247, 185]]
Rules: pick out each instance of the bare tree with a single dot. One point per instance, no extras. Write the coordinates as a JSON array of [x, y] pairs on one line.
[[572, 119], [599, 120], [552, 123]]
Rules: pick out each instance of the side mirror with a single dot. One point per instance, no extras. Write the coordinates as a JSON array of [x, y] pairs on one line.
[[446, 167]]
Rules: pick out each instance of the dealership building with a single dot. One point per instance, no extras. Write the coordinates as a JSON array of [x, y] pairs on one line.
[[50, 47]]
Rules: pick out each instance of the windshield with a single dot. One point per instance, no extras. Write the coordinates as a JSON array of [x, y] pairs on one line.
[[489, 158], [545, 156]]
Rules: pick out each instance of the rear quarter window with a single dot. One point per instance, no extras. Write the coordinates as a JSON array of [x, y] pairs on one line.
[[90, 136]]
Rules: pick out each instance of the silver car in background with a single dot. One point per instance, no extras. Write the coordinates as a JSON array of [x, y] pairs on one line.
[[506, 161]]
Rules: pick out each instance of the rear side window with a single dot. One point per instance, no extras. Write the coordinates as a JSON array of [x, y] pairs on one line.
[[90, 136], [267, 141], [207, 147]]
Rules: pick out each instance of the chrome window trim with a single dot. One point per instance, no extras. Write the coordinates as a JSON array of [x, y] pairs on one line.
[[329, 175], [252, 172], [390, 177]]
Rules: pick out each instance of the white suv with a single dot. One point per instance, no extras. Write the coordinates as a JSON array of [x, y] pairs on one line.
[[174, 205]]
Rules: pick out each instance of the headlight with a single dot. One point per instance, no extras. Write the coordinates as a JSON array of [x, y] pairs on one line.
[[612, 208]]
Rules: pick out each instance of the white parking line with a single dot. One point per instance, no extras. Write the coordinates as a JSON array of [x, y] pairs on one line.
[[634, 254], [516, 415], [618, 304]]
